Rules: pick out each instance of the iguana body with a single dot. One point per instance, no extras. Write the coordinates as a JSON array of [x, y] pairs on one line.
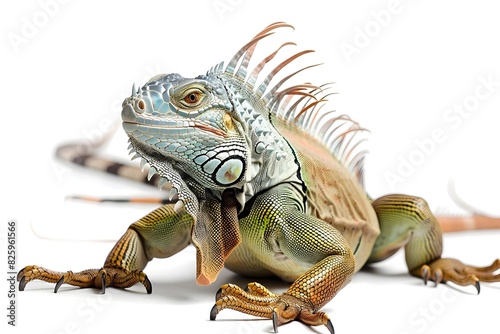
[[262, 182]]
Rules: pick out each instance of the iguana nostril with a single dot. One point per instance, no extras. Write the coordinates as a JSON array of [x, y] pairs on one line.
[[140, 106]]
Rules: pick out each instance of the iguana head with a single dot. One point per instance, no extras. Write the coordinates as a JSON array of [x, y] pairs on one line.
[[190, 124], [215, 129]]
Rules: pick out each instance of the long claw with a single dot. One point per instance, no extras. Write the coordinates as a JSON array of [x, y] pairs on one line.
[[213, 313], [58, 284], [478, 287], [103, 282], [275, 321], [425, 274], [439, 276], [22, 283], [148, 285], [218, 294], [329, 325]]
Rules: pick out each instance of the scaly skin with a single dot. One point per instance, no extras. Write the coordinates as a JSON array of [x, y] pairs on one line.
[[407, 221], [263, 183]]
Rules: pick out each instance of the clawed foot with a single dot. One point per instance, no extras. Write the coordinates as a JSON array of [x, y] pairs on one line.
[[444, 270], [91, 278], [259, 301]]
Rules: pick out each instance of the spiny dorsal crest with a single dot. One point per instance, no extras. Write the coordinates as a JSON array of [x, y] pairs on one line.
[[300, 104]]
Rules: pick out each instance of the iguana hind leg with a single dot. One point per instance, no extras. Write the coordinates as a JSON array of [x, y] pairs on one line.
[[161, 233], [406, 221], [294, 246]]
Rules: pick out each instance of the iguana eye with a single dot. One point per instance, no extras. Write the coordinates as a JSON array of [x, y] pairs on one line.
[[192, 97]]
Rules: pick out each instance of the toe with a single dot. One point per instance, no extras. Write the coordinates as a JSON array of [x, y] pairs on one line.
[[259, 301], [317, 319], [451, 270]]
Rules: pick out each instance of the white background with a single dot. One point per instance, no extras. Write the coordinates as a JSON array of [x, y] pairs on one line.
[[65, 79]]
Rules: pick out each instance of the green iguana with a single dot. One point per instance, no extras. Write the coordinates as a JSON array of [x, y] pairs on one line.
[[264, 183]]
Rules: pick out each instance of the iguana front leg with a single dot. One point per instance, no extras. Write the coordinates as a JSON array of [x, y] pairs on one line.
[[406, 221], [161, 233], [286, 241]]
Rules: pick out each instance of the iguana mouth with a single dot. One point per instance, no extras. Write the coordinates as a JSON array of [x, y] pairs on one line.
[[130, 126], [208, 128]]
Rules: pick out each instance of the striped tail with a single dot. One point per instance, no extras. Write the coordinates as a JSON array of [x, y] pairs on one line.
[[84, 155], [468, 223]]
